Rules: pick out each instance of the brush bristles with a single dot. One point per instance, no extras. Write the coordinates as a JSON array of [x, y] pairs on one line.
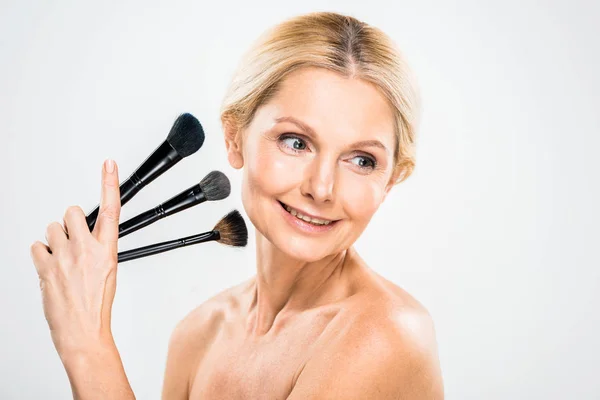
[[215, 186], [232, 229], [186, 135]]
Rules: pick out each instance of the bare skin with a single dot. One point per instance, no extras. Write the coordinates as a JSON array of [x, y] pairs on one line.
[[315, 322], [220, 351]]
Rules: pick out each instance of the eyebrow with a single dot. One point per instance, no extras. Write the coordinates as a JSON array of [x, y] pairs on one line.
[[311, 131], [298, 123]]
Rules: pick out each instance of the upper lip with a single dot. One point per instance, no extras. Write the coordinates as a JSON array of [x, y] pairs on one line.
[[307, 214]]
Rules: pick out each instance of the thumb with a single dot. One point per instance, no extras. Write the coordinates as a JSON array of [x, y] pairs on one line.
[[107, 225]]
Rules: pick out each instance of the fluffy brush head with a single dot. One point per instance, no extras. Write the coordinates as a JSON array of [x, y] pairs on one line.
[[215, 186], [232, 229], [186, 135]]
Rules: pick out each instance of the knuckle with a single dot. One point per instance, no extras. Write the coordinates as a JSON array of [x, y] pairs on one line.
[[72, 211], [61, 253], [34, 249], [64, 262], [37, 246], [37, 250], [51, 227], [78, 253], [110, 213]]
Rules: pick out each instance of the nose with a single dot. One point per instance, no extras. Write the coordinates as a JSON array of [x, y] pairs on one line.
[[319, 181]]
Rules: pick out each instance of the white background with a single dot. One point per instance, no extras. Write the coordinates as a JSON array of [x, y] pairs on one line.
[[496, 232]]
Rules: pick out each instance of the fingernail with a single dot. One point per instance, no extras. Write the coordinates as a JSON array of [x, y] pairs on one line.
[[109, 166]]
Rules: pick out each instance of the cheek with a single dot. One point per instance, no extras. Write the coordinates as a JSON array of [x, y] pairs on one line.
[[362, 197], [268, 171]]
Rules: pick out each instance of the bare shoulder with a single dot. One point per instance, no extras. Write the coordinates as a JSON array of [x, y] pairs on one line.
[[380, 303], [387, 315], [193, 336], [391, 306], [206, 318], [387, 338]]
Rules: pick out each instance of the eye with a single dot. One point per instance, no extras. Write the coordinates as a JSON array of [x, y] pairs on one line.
[[363, 162], [294, 143]]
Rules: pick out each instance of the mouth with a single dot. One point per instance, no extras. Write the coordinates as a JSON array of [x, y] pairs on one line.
[[307, 219]]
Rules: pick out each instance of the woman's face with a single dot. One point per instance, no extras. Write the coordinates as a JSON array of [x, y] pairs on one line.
[[318, 161]]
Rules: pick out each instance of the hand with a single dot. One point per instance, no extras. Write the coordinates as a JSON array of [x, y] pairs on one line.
[[78, 271]]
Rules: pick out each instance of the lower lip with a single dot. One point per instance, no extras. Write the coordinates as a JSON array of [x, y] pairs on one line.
[[303, 225]]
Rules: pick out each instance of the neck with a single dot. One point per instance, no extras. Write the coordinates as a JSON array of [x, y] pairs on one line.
[[285, 286]]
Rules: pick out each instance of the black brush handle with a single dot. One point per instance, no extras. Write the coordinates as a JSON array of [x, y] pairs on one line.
[[168, 245], [161, 159], [139, 221], [184, 200], [127, 190]]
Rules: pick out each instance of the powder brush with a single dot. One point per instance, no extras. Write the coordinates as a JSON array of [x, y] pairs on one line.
[[214, 186]]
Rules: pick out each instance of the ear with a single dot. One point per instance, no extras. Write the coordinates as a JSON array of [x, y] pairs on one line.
[[387, 190], [233, 144], [391, 183]]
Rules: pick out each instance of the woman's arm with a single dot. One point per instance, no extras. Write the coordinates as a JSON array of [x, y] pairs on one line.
[[97, 373]]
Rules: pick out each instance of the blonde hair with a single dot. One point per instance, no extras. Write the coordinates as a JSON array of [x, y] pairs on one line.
[[336, 42]]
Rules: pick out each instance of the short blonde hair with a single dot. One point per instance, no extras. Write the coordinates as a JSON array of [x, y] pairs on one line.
[[336, 42]]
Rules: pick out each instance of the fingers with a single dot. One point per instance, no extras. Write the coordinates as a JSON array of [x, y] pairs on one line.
[[56, 237], [75, 223], [40, 256], [106, 229]]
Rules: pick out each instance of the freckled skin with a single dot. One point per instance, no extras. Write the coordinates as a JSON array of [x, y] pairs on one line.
[[277, 345]]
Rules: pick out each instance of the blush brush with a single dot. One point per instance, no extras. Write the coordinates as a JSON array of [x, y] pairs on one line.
[[230, 230]]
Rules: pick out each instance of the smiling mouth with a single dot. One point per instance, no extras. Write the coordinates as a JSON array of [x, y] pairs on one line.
[[305, 218]]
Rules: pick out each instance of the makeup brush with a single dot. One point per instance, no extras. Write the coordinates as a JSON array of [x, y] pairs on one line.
[[230, 230], [184, 139], [214, 186]]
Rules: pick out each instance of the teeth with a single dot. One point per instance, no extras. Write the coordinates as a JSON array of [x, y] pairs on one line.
[[305, 218]]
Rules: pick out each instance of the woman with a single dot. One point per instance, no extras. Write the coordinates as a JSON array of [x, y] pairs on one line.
[[321, 115]]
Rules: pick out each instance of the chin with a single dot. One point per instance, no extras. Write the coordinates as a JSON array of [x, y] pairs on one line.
[[300, 250]]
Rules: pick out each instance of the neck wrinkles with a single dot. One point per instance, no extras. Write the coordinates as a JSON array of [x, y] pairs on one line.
[[286, 286]]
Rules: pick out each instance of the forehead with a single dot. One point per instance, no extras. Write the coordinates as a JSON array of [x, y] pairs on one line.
[[342, 108]]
